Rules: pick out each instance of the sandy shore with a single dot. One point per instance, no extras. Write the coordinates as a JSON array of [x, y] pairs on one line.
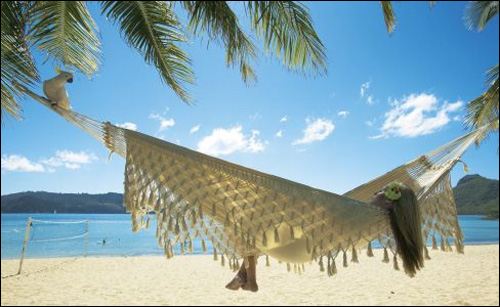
[[448, 279]]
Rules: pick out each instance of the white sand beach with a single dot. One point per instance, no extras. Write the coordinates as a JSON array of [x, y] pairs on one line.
[[448, 279]]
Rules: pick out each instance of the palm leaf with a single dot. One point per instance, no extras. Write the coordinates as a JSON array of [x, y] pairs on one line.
[[484, 109], [152, 28], [219, 22], [479, 13], [65, 30], [287, 31], [17, 64], [389, 17]]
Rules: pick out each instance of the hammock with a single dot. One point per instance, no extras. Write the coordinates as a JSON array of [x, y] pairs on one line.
[[244, 212]]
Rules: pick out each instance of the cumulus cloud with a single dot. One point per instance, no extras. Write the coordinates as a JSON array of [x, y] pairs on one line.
[[227, 141], [165, 123], [317, 130], [63, 158], [18, 163], [279, 134], [70, 159], [128, 125], [284, 119], [417, 115], [343, 113], [194, 129]]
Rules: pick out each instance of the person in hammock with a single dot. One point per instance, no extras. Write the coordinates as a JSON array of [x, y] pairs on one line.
[[401, 203]]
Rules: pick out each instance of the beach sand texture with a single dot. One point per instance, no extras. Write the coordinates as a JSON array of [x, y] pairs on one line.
[[448, 279]]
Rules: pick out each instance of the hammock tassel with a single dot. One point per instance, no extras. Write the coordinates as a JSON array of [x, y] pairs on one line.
[[292, 233], [396, 265], [189, 245], [354, 255], [276, 236], [434, 242], [333, 268], [426, 253], [345, 260], [386, 256], [215, 255], [321, 265], [264, 239], [268, 263], [369, 252], [288, 267], [203, 246]]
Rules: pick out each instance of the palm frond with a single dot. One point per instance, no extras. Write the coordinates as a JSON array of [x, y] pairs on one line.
[[389, 17], [484, 109], [151, 28], [17, 65], [219, 23], [479, 13], [287, 31], [65, 31]]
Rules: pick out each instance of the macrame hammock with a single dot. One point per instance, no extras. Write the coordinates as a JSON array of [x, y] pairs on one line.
[[244, 211]]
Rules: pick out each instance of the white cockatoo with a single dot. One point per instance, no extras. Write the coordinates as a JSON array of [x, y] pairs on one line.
[[55, 89]]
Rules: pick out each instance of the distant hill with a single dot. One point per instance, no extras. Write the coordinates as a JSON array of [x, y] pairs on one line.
[[44, 202], [474, 195]]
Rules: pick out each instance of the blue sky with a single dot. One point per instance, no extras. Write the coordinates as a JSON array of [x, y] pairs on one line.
[[386, 100]]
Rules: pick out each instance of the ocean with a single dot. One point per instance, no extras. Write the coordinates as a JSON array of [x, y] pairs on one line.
[[111, 235]]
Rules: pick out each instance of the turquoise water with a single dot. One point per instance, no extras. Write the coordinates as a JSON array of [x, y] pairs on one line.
[[115, 229]]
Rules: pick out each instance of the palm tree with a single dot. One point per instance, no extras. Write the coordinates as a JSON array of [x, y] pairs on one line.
[[66, 32], [482, 110]]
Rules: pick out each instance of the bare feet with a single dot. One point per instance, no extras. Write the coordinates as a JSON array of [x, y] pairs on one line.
[[246, 278], [250, 286], [237, 282]]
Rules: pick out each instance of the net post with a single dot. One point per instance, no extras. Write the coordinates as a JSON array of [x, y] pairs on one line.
[[86, 238], [26, 238]]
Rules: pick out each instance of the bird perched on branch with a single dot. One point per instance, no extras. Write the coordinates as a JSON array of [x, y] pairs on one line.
[[55, 89]]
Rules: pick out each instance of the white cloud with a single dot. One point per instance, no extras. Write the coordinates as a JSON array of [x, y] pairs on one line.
[[70, 159], [165, 123], [370, 100], [63, 158], [127, 125], [227, 141], [316, 130], [363, 88], [417, 115], [284, 119], [18, 163], [279, 134], [195, 129], [343, 113]]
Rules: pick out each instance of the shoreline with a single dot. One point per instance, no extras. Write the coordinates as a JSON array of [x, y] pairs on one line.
[[448, 279], [195, 254]]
